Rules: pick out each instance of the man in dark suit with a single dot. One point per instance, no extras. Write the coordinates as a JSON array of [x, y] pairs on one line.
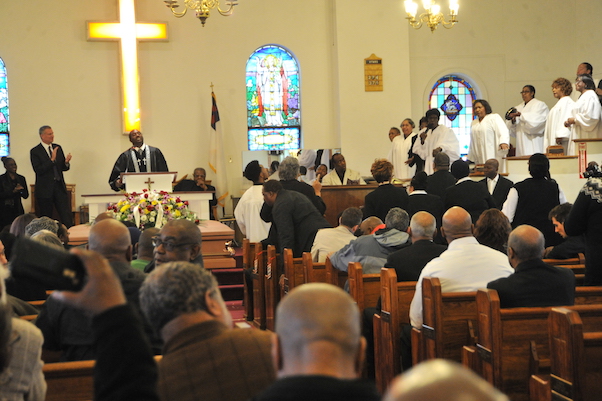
[[497, 185], [197, 184], [408, 262], [441, 179], [533, 282], [468, 194], [49, 162], [294, 218]]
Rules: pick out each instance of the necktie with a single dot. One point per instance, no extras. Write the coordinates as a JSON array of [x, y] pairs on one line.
[[50, 151]]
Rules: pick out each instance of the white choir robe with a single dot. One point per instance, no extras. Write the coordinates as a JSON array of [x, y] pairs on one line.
[[587, 116], [307, 158], [529, 126], [562, 111], [247, 215], [398, 155], [441, 137], [486, 136]]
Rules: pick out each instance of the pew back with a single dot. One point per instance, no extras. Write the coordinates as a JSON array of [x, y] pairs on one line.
[[335, 276], [315, 272], [257, 276], [511, 341], [573, 375], [449, 321], [272, 291], [294, 274], [247, 258], [364, 288], [395, 312]]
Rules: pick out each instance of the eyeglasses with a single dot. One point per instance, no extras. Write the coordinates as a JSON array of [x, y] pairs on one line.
[[169, 246]]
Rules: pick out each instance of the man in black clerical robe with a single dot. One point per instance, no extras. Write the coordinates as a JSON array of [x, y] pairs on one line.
[[140, 158]]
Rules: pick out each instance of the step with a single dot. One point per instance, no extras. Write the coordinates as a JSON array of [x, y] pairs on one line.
[[233, 292]]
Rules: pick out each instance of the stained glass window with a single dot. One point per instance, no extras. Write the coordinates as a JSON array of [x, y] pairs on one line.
[[273, 112], [453, 96], [4, 123]]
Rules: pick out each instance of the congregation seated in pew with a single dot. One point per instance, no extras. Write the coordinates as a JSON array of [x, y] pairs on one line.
[[372, 250]]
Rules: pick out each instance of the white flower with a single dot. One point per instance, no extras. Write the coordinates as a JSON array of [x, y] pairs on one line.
[[143, 218]]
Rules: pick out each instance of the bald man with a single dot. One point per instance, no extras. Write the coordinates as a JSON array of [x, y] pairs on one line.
[[178, 241], [533, 282], [466, 265], [408, 262], [318, 356], [67, 329], [497, 185], [370, 225], [441, 379]]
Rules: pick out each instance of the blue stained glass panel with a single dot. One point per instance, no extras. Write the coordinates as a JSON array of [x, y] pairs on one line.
[[4, 115], [454, 94], [273, 104]]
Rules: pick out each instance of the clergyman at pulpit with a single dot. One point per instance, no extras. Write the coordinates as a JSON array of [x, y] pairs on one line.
[[140, 158]]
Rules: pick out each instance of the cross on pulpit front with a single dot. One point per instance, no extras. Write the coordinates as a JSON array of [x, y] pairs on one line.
[[148, 183], [128, 32]]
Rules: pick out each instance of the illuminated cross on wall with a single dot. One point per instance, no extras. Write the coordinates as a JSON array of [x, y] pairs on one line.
[[128, 32]]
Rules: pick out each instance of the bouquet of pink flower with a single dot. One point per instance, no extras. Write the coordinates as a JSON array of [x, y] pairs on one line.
[[152, 209]]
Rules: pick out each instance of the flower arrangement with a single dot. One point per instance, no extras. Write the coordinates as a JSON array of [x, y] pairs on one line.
[[152, 209]]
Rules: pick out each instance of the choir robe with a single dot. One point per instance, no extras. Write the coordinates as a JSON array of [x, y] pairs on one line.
[[441, 137], [486, 136], [401, 148], [529, 127], [587, 116], [562, 111]]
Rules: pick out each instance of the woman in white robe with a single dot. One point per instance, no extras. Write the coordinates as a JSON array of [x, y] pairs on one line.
[[585, 122], [401, 147], [489, 137], [556, 133]]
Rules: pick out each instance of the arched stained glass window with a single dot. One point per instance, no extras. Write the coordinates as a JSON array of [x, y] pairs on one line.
[[4, 122], [273, 106], [453, 96]]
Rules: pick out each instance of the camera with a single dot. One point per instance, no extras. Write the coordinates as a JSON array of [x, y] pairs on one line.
[[593, 170], [53, 268]]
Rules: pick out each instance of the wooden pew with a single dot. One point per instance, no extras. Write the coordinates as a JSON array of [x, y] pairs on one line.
[[257, 276], [71, 381], [448, 323], [573, 374], [294, 273], [513, 343], [335, 276], [395, 312], [272, 290], [579, 260], [363, 288], [315, 272], [247, 258]]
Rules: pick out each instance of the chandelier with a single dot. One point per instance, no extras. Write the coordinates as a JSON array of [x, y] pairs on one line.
[[432, 16], [201, 8]]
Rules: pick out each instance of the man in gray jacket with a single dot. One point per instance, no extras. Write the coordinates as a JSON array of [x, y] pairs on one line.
[[372, 250]]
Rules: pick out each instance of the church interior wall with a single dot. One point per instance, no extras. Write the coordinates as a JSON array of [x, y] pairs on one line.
[[56, 77]]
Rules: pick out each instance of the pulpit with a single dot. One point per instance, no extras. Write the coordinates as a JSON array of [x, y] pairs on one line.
[[158, 181]]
